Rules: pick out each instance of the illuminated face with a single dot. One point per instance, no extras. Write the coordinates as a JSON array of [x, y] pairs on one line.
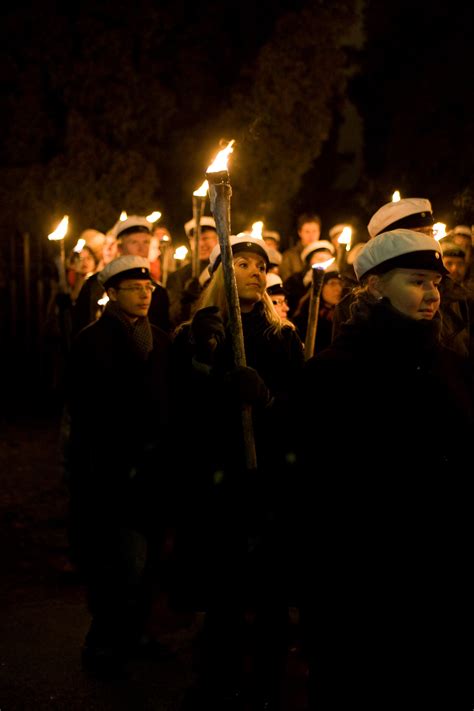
[[133, 296], [309, 232], [207, 242], [464, 242], [413, 292], [110, 249], [250, 275], [457, 268], [162, 234], [137, 244], [332, 291], [87, 263], [281, 305]]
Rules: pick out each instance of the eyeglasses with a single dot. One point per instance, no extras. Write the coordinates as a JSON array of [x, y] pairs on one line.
[[147, 288]]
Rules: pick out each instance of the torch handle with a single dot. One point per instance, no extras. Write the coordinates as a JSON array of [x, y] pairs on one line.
[[62, 268], [198, 207], [313, 314], [219, 194]]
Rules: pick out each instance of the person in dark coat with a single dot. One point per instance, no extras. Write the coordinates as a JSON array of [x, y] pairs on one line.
[[134, 238], [118, 476], [456, 306], [385, 534], [184, 289], [235, 518]]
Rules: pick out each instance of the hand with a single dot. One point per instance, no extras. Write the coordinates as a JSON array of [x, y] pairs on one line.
[[207, 331], [247, 385], [192, 291]]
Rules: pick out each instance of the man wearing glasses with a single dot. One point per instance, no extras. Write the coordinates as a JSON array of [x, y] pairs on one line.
[[133, 236], [118, 405]]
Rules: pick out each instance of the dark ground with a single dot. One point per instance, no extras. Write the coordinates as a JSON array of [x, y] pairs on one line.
[[44, 619]]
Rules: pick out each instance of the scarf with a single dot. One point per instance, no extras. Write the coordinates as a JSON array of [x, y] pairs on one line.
[[138, 333]]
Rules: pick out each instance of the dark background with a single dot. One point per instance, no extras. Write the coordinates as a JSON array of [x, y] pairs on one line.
[[110, 106]]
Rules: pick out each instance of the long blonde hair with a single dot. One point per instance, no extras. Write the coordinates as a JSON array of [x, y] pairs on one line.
[[214, 295]]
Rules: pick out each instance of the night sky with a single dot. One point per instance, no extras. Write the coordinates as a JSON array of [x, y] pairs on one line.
[[333, 105]]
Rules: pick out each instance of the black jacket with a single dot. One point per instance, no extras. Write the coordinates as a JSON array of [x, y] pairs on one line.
[[119, 409], [384, 526]]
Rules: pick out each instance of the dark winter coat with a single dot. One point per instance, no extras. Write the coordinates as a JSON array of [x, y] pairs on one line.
[[119, 412], [228, 512], [182, 303], [385, 530], [456, 311]]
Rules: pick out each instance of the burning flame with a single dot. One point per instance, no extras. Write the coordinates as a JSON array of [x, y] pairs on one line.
[[257, 229], [345, 237], [61, 229], [220, 161], [324, 265], [165, 238], [439, 230], [180, 253], [154, 216], [396, 196], [123, 216], [81, 243], [103, 300], [202, 191]]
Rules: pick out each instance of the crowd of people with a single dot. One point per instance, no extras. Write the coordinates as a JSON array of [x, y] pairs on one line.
[[355, 509]]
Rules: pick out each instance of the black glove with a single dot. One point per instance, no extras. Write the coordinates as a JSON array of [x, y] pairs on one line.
[[192, 291], [247, 385], [207, 331]]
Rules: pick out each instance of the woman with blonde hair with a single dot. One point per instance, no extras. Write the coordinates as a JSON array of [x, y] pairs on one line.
[[236, 521]]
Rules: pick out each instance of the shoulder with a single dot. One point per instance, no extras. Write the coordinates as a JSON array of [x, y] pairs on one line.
[[160, 337], [291, 251], [179, 275]]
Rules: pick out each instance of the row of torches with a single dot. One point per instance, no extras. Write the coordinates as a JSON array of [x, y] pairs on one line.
[[217, 185]]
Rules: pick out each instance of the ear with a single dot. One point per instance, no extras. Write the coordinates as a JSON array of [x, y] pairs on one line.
[[374, 286], [112, 293]]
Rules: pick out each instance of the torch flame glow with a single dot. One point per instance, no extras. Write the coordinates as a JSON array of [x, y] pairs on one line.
[[220, 161], [396, 196], [81, 243], [180, 253], [324, 265], [123, 216], [439, 230], [103, 300], [345, 237], [202, 191], [61, 229], [154, 216], [257, 229]]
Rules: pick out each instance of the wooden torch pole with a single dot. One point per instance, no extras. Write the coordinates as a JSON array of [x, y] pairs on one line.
[[198, 209], [220, 192], [316, 286]]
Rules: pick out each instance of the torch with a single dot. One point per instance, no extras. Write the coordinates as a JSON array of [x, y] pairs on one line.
[[220, 192], [257, 229], [343, 246], [199, 200], [316, 286], [439, 231], [58, 236]]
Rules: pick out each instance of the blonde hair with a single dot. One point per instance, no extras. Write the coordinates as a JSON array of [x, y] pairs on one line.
[[214, 295]]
